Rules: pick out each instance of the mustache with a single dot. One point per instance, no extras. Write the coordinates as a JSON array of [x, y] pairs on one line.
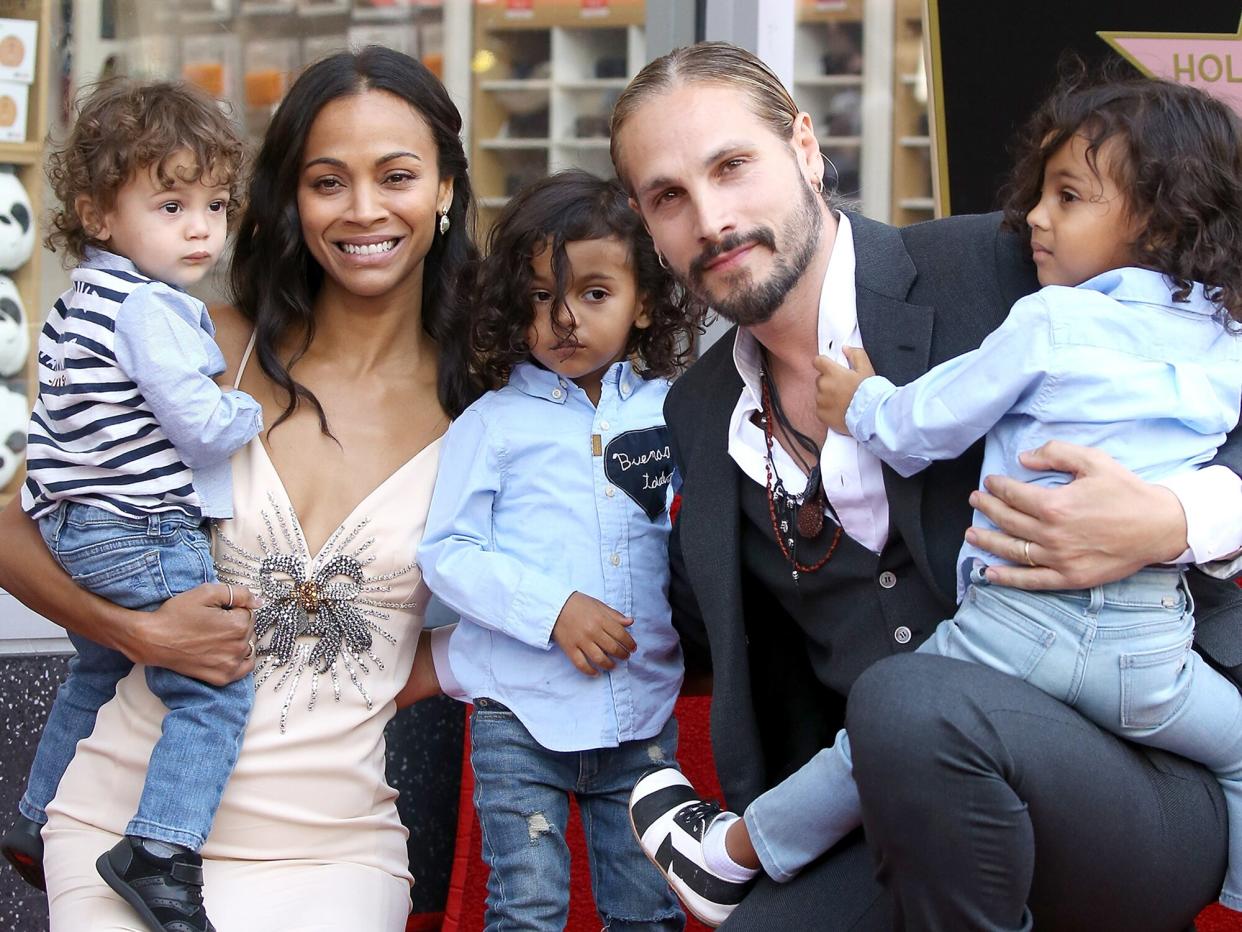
[[760, 235]]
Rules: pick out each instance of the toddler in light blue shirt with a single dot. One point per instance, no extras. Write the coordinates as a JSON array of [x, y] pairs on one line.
[[128, 459], [1132, 195], [548, 533]]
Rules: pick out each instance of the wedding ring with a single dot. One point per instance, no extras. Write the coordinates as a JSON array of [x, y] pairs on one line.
[[230, 604], [1026, 552], [249, 649]]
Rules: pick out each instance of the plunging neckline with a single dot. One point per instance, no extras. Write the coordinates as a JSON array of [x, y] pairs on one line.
[[293, 512]]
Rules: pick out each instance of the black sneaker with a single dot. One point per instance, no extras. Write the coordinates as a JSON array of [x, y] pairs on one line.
[[22, 846], [167, 892], [670, 820]]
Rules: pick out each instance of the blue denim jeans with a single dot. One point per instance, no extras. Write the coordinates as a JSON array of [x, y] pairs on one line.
[[139, 563], [1119, 653], [521, 793]]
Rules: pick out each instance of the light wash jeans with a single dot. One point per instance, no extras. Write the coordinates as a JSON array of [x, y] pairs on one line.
[[140, 563], [521, 793], [1120, 654]]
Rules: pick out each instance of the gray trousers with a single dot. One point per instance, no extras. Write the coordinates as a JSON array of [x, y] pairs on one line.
[[988, 805]]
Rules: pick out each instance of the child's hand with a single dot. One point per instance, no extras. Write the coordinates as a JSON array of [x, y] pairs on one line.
[[591, 634], [835, 386]]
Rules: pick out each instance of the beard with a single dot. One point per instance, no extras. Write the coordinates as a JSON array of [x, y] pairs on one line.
[[748, 302]]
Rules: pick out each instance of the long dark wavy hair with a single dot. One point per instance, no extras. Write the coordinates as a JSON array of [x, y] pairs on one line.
[[1176, 156], [566, 207], [274, 276]]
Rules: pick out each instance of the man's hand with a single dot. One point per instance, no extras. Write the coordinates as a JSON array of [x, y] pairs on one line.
[[591, 634], [1104, 525], [197, 634], [835, 386]]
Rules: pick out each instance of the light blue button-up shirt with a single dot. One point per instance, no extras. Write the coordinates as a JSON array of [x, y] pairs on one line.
[[541, 494], [1113, 364]]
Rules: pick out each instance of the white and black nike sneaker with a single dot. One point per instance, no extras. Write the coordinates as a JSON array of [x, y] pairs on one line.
[[670, 821]]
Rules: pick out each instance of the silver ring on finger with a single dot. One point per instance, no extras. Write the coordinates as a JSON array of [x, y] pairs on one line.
[[249, 648], [230, 603], [1026, 553]]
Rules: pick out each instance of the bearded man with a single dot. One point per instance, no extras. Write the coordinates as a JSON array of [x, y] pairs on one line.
[[805, 571]]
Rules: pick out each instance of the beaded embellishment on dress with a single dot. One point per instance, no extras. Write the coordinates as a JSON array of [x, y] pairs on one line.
[[319, 616]]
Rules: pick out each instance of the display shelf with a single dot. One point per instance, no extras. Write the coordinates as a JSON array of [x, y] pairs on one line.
[[27, 161], [828, 84], [248, 53], [546, 78], [912, 179]]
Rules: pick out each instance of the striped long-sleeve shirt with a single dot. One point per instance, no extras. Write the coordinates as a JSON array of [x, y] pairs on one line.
[[128, 418]]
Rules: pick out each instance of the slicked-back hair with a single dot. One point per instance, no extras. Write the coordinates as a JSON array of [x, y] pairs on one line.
[[719, 63]]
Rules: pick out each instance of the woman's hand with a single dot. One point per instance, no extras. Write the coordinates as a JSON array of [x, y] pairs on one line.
[[192, 633], [199, 633], [423, 682], [1102, 526]]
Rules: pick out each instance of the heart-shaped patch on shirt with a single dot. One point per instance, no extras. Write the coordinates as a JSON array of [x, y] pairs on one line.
[[640, 464]]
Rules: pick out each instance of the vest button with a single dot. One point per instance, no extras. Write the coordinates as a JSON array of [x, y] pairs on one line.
[[888, 580], [902, 635]]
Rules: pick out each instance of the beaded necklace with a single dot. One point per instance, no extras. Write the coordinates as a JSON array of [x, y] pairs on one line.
[[807, 509]]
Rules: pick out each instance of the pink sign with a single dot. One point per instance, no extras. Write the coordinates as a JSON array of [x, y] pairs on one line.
[[1209, 61]]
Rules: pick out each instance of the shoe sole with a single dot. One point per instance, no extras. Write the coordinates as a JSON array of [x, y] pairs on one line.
[[27, 867], [127, 893], [710, 923]]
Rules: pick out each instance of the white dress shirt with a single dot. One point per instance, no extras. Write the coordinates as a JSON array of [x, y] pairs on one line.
[[853, 480]]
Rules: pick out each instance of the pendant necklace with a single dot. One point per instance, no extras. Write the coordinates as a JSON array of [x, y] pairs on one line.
[[806, 510]]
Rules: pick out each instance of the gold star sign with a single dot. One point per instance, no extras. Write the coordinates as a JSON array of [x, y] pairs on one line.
[[1210, 61]]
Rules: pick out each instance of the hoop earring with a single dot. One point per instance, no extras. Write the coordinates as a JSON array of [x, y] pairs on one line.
[[660, 259], [818, 186], [444, 223], [836, 175]]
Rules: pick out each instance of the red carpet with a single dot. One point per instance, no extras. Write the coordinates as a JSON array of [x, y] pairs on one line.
[[468, 888]]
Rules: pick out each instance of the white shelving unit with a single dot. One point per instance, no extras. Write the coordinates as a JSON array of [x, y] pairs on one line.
[[856, 71], [546, 78]]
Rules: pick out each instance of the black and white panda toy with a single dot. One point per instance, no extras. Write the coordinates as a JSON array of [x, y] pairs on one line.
[[14, 419], [17, 226], [14, 334]]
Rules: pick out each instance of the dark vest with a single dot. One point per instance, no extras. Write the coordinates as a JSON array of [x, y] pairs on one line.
[[821, 631]]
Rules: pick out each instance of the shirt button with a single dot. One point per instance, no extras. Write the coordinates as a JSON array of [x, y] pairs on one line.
[[610, 491], [615, 559], [902, 635], [888, 580], [556, 393], [603, 425]]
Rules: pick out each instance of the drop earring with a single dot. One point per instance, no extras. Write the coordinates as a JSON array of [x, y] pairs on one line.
[[444, 223]]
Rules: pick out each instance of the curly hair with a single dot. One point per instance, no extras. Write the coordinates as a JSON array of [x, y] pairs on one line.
[[1175, 153], [274, 277], [566, 207], [124, 127]]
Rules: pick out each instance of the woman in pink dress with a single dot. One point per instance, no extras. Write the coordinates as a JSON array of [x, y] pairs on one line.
[[347, 268]]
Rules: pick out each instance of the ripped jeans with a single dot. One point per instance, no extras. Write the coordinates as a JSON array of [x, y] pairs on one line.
[[521, 793]]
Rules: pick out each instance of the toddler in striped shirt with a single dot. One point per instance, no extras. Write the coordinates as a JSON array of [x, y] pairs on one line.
[[128, 460]]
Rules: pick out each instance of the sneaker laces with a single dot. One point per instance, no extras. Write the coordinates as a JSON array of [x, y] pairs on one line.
[[695, 817]]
